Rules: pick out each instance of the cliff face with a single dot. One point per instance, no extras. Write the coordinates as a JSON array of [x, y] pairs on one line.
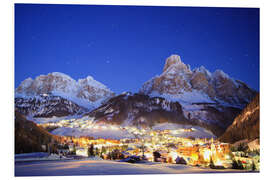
[[246, 125]]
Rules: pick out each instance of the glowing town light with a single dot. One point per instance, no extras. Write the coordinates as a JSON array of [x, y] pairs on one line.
[[218, 162], [103, 127], [207, 155], [189, 144], [174, 155], [227, 156]]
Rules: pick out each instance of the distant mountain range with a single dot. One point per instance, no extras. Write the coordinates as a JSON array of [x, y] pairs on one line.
[[86, 92], [178, 95]]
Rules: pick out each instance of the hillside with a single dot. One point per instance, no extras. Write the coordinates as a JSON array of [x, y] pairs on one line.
[[28, 136], [246, 125]]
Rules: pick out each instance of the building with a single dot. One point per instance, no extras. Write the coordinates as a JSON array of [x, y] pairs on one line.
[[82, 151]]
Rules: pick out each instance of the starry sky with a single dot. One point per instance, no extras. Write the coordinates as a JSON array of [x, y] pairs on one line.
[[124, 46]]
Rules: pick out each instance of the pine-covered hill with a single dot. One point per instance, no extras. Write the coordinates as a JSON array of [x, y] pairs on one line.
[[246, 125], [29, 137]]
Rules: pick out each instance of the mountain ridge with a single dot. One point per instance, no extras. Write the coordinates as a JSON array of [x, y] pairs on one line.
[[177, 78], [210, 100], [84, 92]]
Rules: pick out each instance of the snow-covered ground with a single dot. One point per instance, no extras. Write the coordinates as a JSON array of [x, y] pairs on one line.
[[197, 131], [92, 132], [114, 132], [96, 167], [38, 157]]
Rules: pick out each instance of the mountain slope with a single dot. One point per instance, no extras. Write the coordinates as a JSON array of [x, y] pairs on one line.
[[47, 106], [28, 136], [144, 111], [136, 109], [57, 94], [246, 125]]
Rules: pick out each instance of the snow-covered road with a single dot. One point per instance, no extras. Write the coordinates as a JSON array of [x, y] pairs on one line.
[[90, 167]]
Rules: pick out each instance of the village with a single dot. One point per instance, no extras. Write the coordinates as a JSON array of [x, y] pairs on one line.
[[158, 146]]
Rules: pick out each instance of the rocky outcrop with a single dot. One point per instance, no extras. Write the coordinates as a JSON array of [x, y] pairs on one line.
[[246, 125]]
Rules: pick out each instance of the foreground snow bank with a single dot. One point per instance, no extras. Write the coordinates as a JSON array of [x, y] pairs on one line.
[[93, 167]]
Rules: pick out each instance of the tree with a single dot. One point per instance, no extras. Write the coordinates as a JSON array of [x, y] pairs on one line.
[[96, 151], [156, 155], [91, 150], [253, 166], [212, 165], [103, 150]]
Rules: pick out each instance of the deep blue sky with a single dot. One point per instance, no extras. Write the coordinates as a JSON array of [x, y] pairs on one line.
[[124, 46]]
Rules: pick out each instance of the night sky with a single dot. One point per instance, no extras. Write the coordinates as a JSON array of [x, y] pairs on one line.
[[124, 46]]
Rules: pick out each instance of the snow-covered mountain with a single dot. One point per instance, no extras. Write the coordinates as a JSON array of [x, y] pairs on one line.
[[57, 94], [179, 82], [144, 111], [179, 95]]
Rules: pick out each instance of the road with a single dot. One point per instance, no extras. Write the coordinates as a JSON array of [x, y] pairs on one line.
[[92, 167]]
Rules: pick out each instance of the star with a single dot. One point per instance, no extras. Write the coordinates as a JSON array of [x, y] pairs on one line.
[[108, 60], [89, 44]]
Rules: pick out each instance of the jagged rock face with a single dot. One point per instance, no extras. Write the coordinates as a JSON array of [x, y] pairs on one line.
[[47, 106], [92, 92], [246, 125], [138, 110], [45, 84], [62, 85], [177, 78], [200, 81]]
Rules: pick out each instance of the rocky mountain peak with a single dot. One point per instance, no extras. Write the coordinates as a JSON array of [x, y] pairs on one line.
[[174, 62], [178, 80], [219, 74], [83, 91]]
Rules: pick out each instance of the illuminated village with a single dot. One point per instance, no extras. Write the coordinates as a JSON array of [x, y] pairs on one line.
[[158, 146]]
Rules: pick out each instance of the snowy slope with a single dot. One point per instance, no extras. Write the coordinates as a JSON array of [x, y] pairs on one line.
[[105, 167]]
